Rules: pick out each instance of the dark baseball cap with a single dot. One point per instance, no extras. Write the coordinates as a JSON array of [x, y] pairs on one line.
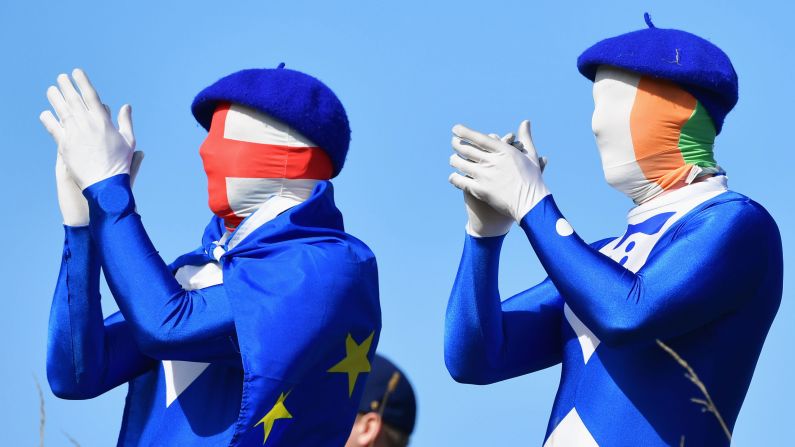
[[388, 387]]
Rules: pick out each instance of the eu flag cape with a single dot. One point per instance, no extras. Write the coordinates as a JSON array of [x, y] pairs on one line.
[[304, 295]]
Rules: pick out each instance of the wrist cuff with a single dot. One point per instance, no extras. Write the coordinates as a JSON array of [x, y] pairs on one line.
[[545, 218], [487, 232], [111, 196], [485, 242], [78, 235]]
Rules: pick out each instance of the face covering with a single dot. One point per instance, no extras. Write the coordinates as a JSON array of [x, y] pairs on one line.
[[250, 158], [652, 135]]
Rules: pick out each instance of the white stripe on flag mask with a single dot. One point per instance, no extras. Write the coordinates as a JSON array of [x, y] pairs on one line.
[[652, 135], [250, 157]]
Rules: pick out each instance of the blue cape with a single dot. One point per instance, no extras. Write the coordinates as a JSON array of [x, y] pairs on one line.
[[304, 295]]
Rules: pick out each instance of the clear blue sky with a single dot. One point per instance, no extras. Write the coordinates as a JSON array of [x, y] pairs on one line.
[[406, 72]]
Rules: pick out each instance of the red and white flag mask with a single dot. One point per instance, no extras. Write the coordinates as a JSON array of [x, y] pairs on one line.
[[250, 157]]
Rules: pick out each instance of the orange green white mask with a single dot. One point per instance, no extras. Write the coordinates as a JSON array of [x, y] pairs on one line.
[[652, 135]]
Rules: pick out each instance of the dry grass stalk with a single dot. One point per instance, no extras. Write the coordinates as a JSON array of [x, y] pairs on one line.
[[42, 416], [71, 439], [706, 403]]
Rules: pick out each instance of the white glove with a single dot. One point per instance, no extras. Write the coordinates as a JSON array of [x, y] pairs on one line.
[[74, 207], [505, 177], [483, 220], [92, 148]]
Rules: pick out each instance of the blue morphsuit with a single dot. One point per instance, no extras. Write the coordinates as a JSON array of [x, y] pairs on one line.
[[709, 289], [298, 296]]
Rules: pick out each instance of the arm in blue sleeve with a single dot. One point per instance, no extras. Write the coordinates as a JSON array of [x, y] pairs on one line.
[[86, 356], [168, 323], [487, 341], [714, 261]]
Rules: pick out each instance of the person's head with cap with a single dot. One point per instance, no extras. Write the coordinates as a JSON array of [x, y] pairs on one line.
[[388, 408], [271, 133], [660, 96]]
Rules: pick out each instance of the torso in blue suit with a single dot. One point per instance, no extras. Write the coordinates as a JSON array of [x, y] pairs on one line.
[[699, 268], [269, 343]]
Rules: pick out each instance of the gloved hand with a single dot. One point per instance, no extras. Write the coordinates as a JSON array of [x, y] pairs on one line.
[[74, 207], [505, 177], [92, 148], [483, 220]]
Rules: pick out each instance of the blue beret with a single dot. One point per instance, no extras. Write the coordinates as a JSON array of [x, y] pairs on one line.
[[294, 98], [400, 410], [695, 64]]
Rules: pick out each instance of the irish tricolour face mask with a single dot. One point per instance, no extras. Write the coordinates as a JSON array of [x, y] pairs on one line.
[[652, 135], [250, 158]]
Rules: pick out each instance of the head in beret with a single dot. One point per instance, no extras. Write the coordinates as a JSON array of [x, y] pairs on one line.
[[660, 99], [294, 98], [271, 133], [693, 63]]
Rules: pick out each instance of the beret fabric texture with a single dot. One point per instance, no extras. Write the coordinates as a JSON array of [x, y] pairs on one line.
[[695, 64], [400, 410], [294, 98]]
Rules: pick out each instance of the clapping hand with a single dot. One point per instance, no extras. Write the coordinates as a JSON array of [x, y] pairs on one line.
[[90, 147], [503, 173]]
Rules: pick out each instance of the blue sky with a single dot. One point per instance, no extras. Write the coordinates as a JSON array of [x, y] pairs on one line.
[[406, 72]]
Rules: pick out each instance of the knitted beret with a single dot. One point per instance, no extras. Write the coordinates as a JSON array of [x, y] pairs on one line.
[[695, 64], [294, 98]]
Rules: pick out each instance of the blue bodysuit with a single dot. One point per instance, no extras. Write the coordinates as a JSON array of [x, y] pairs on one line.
[[699, 268], [271, 348]]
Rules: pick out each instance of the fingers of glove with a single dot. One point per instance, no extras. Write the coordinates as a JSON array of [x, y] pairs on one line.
[[107, 109], [125, 124], [542, 163], [462, 182], [526, 139], [88, 92], [135, 164], [467, 184], [465, 166], [52, 125], [480, 140], [507, 138], [57, 102], [468, 150], [73, 99]]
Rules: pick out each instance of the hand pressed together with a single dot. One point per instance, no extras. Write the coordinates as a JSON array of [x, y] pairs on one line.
[[506, 176], [90, 148]]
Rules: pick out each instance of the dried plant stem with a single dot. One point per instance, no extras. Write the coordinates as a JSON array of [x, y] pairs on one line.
[[71, 439], [706, 403], [42, 416]]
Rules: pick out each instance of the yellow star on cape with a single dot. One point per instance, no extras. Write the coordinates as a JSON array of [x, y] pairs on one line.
[[355, 361], [279, 411]]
